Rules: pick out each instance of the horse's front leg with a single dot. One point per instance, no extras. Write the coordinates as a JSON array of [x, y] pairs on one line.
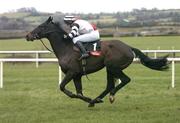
[[68, 77], [78, 86]]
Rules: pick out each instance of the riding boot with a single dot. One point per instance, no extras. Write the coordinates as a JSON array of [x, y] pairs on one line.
[[84, 53]]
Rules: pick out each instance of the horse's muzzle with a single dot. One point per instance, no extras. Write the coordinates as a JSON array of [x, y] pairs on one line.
[[31, 37]]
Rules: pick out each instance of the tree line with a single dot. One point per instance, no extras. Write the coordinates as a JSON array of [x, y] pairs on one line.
[[133, 19]]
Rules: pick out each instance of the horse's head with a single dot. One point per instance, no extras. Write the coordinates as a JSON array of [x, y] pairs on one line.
[[43, 30]]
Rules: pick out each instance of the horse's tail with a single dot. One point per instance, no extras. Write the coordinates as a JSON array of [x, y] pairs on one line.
[[156, 64]]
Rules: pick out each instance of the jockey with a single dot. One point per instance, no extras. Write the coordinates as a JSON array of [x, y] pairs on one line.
[[81, 31]]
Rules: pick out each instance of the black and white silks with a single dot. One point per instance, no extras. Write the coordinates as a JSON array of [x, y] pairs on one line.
[[83, 31]]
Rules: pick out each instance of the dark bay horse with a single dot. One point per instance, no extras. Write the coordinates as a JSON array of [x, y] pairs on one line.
[[116, 56]]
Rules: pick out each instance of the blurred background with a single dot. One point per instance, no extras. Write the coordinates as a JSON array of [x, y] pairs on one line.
[[113, 18]]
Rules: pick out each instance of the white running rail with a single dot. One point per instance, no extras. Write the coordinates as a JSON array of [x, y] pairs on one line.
[[173, 60], [26, 60]]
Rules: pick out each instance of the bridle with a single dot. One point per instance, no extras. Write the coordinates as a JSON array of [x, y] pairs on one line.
[[45, 33]]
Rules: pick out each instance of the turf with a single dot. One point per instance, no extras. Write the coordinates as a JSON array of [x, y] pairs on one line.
[[32, 95], [160, 42]]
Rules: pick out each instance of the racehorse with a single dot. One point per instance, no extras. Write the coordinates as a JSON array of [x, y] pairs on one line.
[[115, 56]]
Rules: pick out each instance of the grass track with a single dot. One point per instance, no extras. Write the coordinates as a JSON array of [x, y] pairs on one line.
[[164, 42], [31, 95]]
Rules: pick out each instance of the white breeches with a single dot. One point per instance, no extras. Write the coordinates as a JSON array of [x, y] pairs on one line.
[[92, 36]]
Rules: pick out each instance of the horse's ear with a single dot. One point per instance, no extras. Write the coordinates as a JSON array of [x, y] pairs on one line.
[[50, 19]]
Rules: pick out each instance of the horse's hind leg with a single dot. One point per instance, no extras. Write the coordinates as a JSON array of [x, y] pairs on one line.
[[109, 87], [124, 80]]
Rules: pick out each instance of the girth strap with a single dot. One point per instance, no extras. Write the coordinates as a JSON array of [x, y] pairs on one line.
[[84, 63]]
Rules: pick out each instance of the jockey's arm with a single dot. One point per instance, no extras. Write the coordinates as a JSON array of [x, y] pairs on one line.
[[74, 31]]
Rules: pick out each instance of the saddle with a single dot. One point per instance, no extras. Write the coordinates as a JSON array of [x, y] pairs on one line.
[[93, 48]]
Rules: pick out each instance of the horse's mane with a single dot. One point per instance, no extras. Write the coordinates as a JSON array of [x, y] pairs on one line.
[[61, 25]]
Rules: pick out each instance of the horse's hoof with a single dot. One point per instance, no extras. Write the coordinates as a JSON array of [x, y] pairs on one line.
[[80, 94], [72, 95], [86, 99], [98, 100], [111, 99], [91, 105]]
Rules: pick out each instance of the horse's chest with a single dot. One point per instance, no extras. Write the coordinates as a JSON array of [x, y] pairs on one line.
[[66, 63]]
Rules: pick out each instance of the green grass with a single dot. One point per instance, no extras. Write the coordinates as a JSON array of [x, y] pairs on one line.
[[162, 42], [153, 43], [20, 44], [31, 95]]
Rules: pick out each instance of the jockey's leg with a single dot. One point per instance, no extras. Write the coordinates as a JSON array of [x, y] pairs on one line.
[[89, 37], [84, 53]]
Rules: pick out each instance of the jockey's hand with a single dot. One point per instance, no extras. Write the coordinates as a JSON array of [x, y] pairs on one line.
[[67, 37]]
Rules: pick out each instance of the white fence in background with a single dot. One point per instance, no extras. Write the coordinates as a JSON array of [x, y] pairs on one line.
[[26, 60], [155, 52], [36, 53], [37, 60]]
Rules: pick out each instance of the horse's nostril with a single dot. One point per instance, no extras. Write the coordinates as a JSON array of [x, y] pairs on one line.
[[28, 37]]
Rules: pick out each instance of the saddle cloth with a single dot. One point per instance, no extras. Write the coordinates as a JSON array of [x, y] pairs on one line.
[[94, 48]]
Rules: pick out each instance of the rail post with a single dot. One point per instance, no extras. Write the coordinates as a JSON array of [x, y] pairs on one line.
[[1, 74], [155, 55], [37, 57], [173, 74], [60, 75]]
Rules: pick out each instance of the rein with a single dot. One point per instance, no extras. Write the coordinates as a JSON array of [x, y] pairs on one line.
[[46, 46]]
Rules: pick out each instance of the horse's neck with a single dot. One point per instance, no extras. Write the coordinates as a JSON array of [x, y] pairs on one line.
[[59, 46]]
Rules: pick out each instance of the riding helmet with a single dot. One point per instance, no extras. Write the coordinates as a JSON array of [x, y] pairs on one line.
[[69, 19]]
